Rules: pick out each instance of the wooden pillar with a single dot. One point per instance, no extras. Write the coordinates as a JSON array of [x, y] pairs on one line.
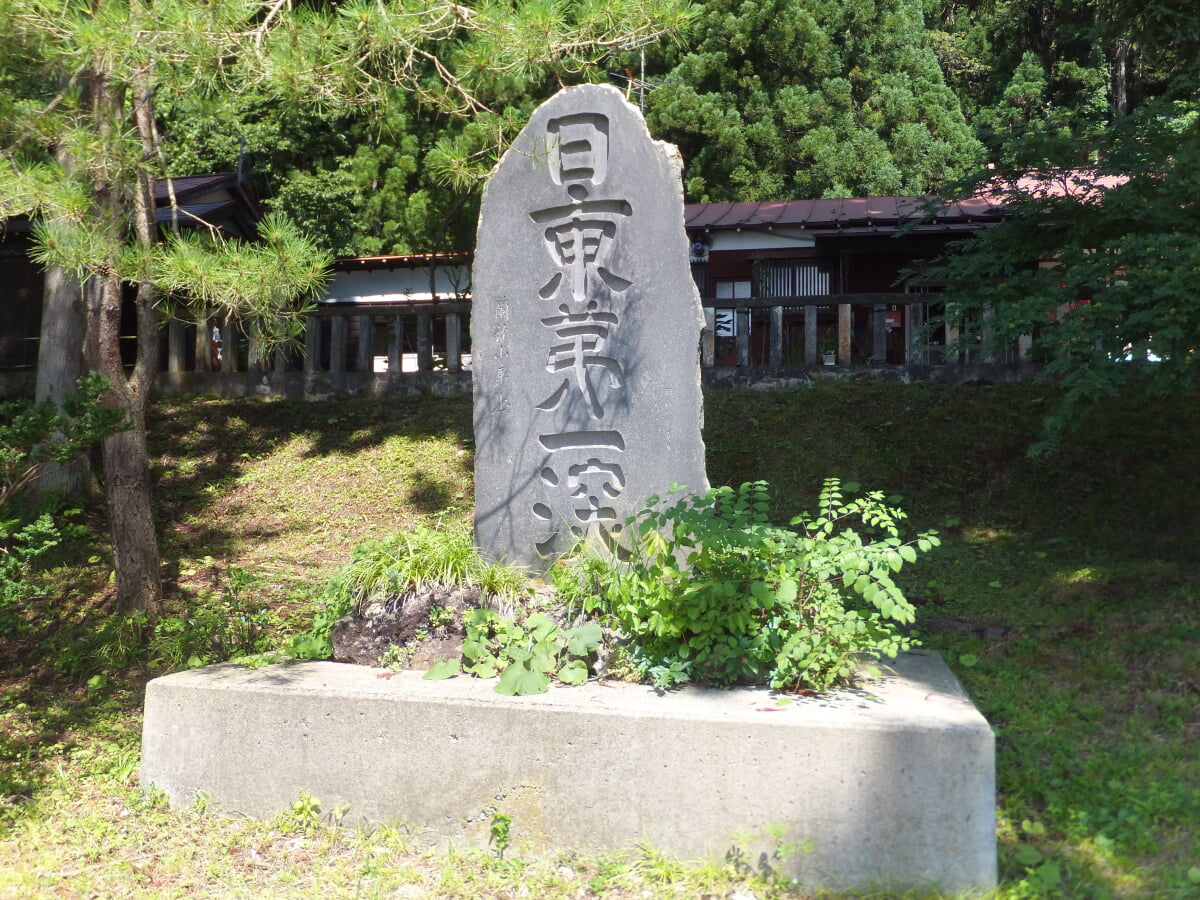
[[337, 343], [776, 353], [1024, 347], [255, 358], [951, 357], [987, 338], [176, 355], [396, 345], [708, 338], [312, 344], [203, 343], [366, 343], [454, 342], [424, 342], [230, 342], [912, 353], [845, 333], [743, 336], [879, 323], [810, 335]]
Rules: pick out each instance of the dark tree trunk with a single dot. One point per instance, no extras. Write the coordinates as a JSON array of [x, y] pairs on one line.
[[1120, 77], [126, 460], [131, 521]]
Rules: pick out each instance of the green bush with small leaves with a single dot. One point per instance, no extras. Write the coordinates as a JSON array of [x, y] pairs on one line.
[[716, 593], [215, 627]]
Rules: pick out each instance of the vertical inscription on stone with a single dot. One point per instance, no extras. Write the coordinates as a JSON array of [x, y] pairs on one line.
[[585, 331]]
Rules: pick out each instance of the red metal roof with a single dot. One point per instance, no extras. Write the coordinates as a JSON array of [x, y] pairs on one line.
[[835, 213]]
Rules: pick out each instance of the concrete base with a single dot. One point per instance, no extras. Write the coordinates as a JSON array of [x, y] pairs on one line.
[[891, 787]]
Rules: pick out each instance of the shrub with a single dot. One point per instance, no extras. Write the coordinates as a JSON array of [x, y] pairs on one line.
[[33, 435], [21, 543], [714, 592]]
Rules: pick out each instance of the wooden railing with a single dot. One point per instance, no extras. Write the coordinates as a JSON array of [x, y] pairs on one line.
[[423, 346], [857, 331], [394, 340]]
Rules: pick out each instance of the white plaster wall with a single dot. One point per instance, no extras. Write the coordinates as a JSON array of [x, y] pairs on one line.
[[384, 285]]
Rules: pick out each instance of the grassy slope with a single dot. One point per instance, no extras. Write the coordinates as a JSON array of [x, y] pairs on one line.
[[1065, 597]]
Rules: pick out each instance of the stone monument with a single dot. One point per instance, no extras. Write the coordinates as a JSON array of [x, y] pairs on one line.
[[585, 332]]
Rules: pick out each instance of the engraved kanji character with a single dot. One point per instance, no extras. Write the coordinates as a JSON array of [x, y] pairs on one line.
[[581, 347], [578, 148], [579, 238]]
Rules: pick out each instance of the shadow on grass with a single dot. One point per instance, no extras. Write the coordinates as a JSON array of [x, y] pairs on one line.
[[1122, 487], [1090, 677], [67, 679], [202, 448]]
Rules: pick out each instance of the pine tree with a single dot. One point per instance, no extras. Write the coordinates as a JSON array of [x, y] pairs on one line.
[[787, 99], [83, 78]]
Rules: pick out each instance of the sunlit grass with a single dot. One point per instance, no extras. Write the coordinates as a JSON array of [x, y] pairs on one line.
[[1069, 611]]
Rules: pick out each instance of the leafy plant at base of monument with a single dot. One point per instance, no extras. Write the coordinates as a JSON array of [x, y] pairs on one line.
[[527, 653], [716, 593], [579, 580], [404, 563]]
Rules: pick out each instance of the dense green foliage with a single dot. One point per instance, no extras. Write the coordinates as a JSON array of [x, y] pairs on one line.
[[716, 593], [361, 182], [396, 168], [812, 98], [712, 592]]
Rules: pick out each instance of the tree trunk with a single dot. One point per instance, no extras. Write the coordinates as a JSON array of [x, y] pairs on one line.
[[1120, 77], [60, 365], [131, 521], [126, 460], [136, 559]]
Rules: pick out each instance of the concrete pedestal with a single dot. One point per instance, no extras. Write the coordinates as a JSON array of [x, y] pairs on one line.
[[893, 786]]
